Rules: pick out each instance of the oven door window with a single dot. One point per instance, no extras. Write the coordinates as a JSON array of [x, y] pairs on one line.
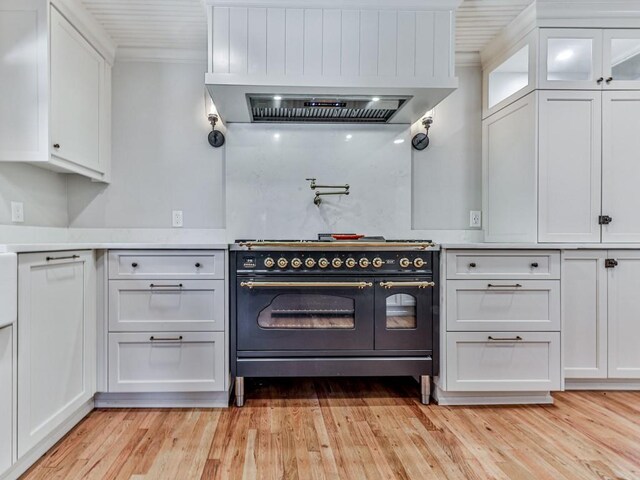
[[401, 312], [308, 311]]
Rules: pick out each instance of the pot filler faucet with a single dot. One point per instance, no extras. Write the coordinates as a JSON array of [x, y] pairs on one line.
[[318, 198]]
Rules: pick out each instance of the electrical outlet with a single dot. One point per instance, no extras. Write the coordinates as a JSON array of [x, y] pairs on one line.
[[475, 219], [176, 219], [17, 212]]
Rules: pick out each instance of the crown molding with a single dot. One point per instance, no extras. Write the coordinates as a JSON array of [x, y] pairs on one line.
[[342, 4], [519, 28], [161, 55], [468, 59], [588, 13]]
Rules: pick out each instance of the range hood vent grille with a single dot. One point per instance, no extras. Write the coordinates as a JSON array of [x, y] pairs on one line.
[[302, 109]]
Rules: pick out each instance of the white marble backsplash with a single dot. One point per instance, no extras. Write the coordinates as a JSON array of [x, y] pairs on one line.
[[268, 196]]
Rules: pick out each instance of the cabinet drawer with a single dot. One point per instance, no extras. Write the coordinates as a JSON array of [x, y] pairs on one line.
[[503, 305], [167, 264], [166, 306], [503, 361], [161, 362], [503, 265]]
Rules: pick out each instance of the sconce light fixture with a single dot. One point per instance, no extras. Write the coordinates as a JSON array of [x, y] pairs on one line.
[[421, 140], [216, 137]]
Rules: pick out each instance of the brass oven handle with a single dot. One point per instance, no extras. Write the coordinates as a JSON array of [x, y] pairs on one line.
[[514, 339], [407, 284], [341, 244], [251, 285]]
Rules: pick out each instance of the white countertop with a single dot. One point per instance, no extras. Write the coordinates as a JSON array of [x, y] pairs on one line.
[[540, 246], [51, 247]]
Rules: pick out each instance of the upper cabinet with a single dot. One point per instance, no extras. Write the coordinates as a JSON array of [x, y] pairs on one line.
[[621, 54], [55, 69]]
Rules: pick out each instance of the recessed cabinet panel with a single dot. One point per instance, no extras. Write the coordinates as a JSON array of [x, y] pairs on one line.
[[621, 166], [479, 305], [6, 398], [492, 265], [166, 265], [77, 82], [509, 77], [624, 315], [503, 361], [584, 314], [571, 58], [569, 166]]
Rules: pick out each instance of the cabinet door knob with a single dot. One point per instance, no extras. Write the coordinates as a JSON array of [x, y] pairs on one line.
[[56, 145], [198, 265], [134, 265], [534, 265], [600, 80], [609, 80], [472, 265]]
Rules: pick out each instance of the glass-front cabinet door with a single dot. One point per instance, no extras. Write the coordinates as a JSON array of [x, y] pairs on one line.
[[403, 314], [571, 59], [621, 59]]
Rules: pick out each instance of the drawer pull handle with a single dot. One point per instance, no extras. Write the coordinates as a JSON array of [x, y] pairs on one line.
[[472, 265], [153, 285], [134, 265], [169, 339], [534, 265], [515, 285], [70, 257], [198, 265], [513, 339]]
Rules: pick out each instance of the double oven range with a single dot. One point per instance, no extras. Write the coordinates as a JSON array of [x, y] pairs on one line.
[[334, 308]]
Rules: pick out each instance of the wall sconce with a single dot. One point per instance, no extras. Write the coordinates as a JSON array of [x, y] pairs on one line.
[[216, 137], [420, 141]]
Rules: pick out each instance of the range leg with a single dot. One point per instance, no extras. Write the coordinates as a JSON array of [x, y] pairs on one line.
[[425, 388], [240, 391]]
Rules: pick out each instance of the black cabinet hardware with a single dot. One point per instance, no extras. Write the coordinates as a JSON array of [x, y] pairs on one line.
[[472, 265], [134, 265], [609, 80], [610, 263], [534, 265], [167, 339], [604, 219], [70, 257], [515, 285], [600, 80], [198, 265], [500, 339], [56, 145], [153, 285]]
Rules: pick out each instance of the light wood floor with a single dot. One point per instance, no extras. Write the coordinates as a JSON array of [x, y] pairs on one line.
[[356, 429]]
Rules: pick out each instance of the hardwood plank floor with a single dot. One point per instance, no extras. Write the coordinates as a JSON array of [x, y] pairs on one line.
[[355, 429]]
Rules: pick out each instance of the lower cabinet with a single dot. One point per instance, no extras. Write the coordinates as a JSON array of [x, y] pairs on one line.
[[503, 362], [56, 341], [601, 314], [166, 362], [6, 398]]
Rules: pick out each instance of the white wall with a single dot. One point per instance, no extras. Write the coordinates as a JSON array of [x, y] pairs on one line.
[[43, 193], [447, 175], [161, 158]]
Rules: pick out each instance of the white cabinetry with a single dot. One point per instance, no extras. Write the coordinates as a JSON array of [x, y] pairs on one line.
[[624, 315], [55, 69], [56, 341], [569, 166], [600, 306], [7, 398], [503, 328], [167, 321], [620, 166]]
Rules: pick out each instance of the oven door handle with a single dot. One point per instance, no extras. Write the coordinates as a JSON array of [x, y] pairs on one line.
[[251, 285], [407, 284]]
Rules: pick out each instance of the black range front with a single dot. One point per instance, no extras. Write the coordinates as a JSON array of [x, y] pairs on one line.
[[347, 313]]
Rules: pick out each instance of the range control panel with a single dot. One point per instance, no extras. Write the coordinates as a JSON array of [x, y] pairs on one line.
[[334, 262]]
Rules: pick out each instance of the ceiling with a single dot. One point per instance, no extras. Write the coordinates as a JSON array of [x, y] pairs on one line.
[[479, 21], [181, 24]]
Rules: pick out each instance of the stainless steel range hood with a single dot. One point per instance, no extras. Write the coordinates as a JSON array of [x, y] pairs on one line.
[[323, 109]]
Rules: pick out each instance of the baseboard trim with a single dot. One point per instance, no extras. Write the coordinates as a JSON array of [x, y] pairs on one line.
[[602, 384], [26, 461], [491, 398], [163, 400]]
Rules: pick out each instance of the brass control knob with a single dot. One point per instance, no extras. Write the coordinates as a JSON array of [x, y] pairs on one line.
[[377, 262], [405, 262], [336, 263], [323, 263], [269, 262], [310, 262], [283, 262], [351, 262], [364, 262], [296, 263], [418, 263]]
